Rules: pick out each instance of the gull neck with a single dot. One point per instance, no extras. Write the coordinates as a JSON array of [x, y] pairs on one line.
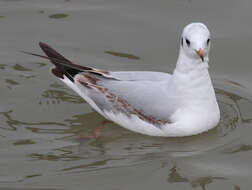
[[186, 64]]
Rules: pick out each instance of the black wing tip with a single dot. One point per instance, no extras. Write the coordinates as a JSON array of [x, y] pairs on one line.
[[43, 45], [62, 65], [46, 48], [33, 54], [50, 52]]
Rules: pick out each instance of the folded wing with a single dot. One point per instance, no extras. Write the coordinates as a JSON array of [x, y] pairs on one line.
[[140, 93]]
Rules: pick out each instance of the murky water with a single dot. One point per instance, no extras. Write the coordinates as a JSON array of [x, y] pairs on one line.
[[42, 121]]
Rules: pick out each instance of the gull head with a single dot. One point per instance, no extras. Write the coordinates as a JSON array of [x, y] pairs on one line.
[[196, 42]]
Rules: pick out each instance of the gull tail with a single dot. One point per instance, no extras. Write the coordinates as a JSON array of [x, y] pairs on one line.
[[62, 65]]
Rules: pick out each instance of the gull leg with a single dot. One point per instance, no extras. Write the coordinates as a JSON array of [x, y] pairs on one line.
[[98, 130]]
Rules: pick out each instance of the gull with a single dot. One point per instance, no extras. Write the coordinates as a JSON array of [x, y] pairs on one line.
[[152, 103]]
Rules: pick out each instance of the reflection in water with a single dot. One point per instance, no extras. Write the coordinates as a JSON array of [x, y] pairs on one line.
[[91, 166], [229, 118], [40, 64], [175, 177], [2, 66], [24, 142], [235, 83], [59, 94], [236, 99], [237, 187], [11, 82], [13, 123], [41, 11], [239, 148], [18, 67], [85, 124], [232, 115], [52, 157], [124, 55], [34, 175], [58, 16]]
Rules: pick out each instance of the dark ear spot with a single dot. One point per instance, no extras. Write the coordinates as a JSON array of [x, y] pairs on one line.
[[182, 42], [188, 42], [208, 41]]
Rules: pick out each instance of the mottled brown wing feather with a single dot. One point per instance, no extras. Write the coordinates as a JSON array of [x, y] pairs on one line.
[[118, 103]]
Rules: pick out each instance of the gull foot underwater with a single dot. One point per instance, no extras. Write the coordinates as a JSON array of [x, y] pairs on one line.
[[97, 130]]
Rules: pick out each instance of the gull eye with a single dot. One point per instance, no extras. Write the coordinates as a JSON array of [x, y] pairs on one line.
[[188, 42], [208, 41]]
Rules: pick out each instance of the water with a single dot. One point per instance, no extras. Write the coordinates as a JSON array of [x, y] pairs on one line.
[[42, 121]]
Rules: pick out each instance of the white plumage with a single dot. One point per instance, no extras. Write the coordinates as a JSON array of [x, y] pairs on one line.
[[153, 103]]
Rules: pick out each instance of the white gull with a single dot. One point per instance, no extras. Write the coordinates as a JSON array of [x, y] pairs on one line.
[[153, 103]]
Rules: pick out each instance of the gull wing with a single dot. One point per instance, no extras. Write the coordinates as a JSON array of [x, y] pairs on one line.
[[142, 93]]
